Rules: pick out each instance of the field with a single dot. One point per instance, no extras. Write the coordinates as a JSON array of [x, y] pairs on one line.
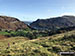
[[44, 46]]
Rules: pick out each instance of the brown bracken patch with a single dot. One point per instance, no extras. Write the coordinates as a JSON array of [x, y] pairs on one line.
[[2, 37]]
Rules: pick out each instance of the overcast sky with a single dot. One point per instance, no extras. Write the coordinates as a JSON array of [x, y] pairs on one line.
[[30, 10]]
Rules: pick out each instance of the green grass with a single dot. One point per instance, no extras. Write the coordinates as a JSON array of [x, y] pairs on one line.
[[3, 33], [46, 46]]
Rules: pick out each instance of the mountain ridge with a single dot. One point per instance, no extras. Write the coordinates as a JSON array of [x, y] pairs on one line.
[[54, 23], [11, 23]]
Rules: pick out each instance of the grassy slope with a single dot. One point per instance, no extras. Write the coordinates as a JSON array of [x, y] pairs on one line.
[[3, 33], [49, 46]]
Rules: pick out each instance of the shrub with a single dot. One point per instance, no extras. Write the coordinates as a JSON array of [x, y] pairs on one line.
[[56, 49], [20, 33], [71, 38], [36, 51], [44, 54], [30, 35], [45, 45]]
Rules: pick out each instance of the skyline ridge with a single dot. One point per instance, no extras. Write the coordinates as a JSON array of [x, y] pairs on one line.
[[30, 10]]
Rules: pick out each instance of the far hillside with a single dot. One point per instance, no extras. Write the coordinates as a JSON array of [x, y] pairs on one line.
[[11, 23], [54, 23]]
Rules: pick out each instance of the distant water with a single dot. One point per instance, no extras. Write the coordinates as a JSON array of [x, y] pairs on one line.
[[27, 22]]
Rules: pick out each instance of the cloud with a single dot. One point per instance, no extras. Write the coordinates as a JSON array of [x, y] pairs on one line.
[[49, 10], [67, 13], [62, 8]]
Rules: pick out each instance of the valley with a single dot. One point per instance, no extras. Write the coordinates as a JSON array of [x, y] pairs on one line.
[[21, 39]]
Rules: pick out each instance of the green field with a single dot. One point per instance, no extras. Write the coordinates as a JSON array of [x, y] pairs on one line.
[[3, 33], [45, 46]]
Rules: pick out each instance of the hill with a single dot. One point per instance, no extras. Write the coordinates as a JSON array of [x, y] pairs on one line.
[[11, 23], [48, 46], [54, 23]]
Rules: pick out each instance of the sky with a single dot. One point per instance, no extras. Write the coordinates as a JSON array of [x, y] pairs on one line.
[[31, 10]]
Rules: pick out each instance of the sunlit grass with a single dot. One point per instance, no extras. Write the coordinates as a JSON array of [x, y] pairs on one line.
[[48, 46]]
